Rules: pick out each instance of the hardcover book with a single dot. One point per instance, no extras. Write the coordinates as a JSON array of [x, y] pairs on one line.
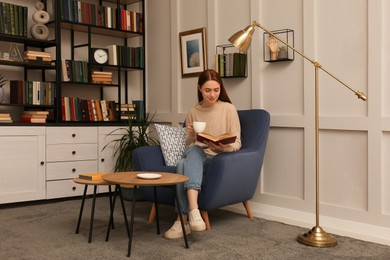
[[226, 138], [92, 176]]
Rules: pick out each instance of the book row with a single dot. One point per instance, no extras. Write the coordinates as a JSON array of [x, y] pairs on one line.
[[76, 109], [125, 56], [32, 92], [13, 19], [34, 117], [231, 64], [127, 112], [99, 15], [39, 57], [101, 77], [5, 118], [75, 71]]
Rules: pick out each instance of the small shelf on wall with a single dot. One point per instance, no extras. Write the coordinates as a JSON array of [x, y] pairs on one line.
[[230, 62], [284, 53]]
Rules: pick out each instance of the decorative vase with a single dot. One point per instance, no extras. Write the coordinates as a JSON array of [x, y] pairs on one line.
[[1, 95]]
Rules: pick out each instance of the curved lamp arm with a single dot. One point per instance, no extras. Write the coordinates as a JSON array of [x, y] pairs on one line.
[[243, 38]]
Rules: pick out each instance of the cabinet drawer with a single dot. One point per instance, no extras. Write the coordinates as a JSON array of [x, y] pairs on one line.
[[71, 152], [65, 188], [67, 170], [71, 135]]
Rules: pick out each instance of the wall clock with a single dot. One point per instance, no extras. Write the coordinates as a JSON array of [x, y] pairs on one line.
[[99, 56]]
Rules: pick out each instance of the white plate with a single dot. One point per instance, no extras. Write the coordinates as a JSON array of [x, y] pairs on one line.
[[148, 175]]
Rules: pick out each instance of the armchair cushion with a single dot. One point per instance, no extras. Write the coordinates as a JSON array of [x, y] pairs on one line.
[[172, 141]]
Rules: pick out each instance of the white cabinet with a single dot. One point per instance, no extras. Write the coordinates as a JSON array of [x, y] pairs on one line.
[[69, 152], [40, 162], [22, 164]]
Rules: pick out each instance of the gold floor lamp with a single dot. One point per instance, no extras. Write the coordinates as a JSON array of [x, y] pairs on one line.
[[316, 236]]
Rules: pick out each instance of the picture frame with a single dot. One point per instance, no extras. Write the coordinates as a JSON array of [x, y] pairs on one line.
[[193, 51], [11, 52]]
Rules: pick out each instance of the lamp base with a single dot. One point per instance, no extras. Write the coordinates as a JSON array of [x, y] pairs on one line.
[[317, 237]]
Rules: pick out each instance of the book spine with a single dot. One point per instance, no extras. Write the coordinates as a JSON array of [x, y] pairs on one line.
[[25, 21], [1, 19], [12, 19], [16, 91], [20, 20], [65, 10], [16, 19]]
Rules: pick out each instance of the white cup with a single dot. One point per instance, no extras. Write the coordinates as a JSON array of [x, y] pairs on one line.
[[199, 126]]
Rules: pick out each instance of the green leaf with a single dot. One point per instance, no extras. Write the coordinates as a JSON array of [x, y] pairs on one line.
[[137, 134]]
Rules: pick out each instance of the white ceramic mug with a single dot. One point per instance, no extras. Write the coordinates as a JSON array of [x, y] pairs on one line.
[[199, 126]]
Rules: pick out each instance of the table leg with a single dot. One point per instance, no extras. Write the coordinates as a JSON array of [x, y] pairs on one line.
[[123, 209], [132, 222], [181, 220], [92, 213], [81, 208], [156, 208], [112, 206]]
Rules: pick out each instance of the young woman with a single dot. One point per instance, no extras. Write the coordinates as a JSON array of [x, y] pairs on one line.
[[221, 116]]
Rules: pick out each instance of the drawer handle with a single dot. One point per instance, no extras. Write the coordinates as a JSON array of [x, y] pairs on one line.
[[102, 160], [73, 152], [74, 170], [73, 188], [73, 135], [42, 163]]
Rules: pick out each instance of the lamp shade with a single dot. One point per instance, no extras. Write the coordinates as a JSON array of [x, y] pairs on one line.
[[242, 39]]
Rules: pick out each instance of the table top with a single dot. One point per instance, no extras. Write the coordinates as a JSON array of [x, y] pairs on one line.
[[130, 178], [90, 182]]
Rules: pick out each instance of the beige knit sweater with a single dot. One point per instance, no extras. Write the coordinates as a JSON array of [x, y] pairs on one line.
[[220, 118]]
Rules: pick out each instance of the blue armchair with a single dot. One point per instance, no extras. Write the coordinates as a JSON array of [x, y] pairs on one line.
[[230, 178]]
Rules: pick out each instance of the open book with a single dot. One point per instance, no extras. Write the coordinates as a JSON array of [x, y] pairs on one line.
[[226, 138]]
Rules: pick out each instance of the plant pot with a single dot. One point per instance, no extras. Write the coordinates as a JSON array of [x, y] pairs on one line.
[[282, 55]]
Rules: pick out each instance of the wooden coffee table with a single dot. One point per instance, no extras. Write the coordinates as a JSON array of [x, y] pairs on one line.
[[131, 178]]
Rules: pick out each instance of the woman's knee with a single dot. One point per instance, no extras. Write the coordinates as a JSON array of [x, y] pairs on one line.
[[194, 150]]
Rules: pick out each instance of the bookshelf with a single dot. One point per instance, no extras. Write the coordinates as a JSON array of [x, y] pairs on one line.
[[76, 28], [14, 42], [118, 19], [55, 152], [230, 62]]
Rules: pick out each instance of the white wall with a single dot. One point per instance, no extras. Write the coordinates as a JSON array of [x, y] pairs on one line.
[[349, 39]]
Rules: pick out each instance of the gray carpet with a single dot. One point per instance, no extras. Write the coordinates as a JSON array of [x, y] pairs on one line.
[[46, 230]]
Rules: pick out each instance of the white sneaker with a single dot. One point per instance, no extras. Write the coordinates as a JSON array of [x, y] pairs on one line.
[[196, 220], [176, 231]]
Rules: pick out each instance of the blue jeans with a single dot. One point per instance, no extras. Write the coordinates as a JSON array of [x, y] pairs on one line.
[[193, 164]]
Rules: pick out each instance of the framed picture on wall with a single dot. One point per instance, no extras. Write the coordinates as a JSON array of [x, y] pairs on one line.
[[193, 52]]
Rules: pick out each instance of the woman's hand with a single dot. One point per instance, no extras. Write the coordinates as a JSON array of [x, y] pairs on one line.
[[217, 148], [190, 130]]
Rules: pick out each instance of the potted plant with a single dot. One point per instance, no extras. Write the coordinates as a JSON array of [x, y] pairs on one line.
[[136, 134], [2, 83], [283, 52]]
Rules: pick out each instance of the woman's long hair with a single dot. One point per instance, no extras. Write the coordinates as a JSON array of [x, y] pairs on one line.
[[212, 75]]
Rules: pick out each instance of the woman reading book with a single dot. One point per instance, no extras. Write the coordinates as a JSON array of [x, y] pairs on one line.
[[214, 107]]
